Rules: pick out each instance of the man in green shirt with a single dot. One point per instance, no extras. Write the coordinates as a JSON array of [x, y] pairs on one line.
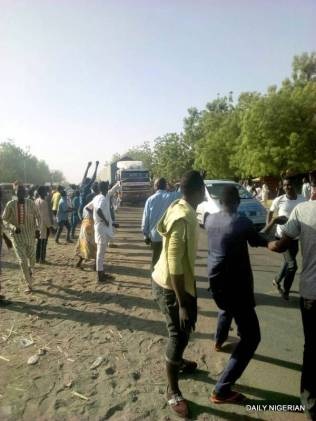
[[174, 286]]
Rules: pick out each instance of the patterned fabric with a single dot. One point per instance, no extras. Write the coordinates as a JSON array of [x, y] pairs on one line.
[[23, 243], [86, 247]]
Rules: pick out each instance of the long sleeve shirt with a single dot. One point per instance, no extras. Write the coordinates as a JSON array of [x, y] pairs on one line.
[[156, 205]]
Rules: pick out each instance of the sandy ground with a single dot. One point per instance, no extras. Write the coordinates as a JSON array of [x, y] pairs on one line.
[[76, 321]]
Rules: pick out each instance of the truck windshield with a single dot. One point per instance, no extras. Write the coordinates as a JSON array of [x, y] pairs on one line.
[[135, 175], [216, 190]]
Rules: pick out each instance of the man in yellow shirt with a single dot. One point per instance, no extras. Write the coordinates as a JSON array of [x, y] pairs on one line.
[[56, 199], [174, 286]]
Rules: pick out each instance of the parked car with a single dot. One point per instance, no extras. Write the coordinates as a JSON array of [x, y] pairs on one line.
[[249, 206]]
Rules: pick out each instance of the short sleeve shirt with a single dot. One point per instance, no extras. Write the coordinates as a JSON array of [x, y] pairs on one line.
[[302, 224], [283, 206]]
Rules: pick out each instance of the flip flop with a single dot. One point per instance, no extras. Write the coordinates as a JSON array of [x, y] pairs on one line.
[[109, 277]]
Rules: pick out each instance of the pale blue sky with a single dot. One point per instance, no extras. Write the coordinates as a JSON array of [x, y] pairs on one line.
[[81, 80]]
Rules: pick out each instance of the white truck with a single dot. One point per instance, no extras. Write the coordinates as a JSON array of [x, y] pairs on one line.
[[134, 177]]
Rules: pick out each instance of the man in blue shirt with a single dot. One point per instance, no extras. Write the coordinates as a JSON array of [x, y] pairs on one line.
[[156, 205], [231, 282], [62, 217]]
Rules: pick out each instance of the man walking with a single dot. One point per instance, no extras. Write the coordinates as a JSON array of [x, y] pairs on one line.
[[283, 206], [174, 286], [103, 224], [231, 282], [155, 207], [22, 218], [45, 224], [62, 218], [302, 225]]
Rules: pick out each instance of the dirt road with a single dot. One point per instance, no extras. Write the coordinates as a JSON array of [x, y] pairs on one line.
[[116, 327]]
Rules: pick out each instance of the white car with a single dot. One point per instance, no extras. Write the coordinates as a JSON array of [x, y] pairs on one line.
[[249, 206]]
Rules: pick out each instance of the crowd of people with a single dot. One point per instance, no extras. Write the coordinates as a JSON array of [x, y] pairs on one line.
[[35, 215], [170, 227]]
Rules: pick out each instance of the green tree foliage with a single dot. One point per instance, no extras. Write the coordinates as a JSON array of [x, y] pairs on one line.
[[142, 153], [278, 132], [172, 157], [304, 67], [17, 164], [57, 177], [258, 135]]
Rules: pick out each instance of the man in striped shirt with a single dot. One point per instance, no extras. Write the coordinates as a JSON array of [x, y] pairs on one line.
[[22, 218]]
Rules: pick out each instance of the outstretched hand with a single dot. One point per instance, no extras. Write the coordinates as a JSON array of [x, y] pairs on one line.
[[89, 164], [97, 163]]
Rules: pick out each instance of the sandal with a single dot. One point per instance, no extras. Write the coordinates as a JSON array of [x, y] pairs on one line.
[[232, 397], [188, 366], [178, 404], [28, 291], [218, 347], [109, 277]]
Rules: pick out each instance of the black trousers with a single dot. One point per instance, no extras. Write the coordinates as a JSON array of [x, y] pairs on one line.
[[178, 338], [289, 267], [61, 225], [156, 247], [41, 248]]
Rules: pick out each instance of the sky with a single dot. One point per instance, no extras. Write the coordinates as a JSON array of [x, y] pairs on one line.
[[82, 80]]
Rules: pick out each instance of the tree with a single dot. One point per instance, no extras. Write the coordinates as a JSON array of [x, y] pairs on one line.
[[57, 176], [171, 157], [304, 67], [17, 164], [278, 133], [142, 153]]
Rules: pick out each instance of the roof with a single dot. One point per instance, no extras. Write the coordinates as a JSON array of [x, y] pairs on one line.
[[207, 182]]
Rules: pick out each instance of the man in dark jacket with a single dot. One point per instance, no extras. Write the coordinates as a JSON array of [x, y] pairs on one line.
[[231, 282]]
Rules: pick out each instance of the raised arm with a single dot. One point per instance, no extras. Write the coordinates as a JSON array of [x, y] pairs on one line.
[[114, 189], [86, 173], [94, 176]]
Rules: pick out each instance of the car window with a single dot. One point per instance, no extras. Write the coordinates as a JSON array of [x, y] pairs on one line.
[[216, 190]]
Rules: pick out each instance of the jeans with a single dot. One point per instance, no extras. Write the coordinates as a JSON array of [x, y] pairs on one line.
[[156, 247], [289, 267], [308, 378], [178, 338], [248, 327], [224, 321], [61, 225]]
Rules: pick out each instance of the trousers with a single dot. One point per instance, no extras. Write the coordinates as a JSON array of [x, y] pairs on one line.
[[289, 267], [25, 253], [248, 326], [101, 249]]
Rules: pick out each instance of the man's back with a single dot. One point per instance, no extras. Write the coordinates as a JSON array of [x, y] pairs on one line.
[[228, 238], [155, 207]]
